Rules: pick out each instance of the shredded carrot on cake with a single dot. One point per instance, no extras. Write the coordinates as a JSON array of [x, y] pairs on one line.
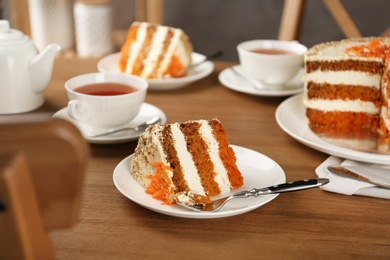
[[373, 49], [161, 187]]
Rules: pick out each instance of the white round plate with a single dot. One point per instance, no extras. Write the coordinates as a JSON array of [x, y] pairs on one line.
[[110, 64], [257, 169], [290, 116], [147, 112], [230, 80]]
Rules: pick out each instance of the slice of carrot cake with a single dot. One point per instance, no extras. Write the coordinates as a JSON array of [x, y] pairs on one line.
[[188, 162], [154, 51]]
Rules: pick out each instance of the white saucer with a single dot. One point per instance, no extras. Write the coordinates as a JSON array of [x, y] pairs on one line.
[[257, 169], [110, 64], [147, 112], [230, 80]]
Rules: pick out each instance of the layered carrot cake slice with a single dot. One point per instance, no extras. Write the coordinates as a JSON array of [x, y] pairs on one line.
[[188, 162], [154, 51]]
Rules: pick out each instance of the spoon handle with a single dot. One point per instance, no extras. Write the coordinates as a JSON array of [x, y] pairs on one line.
[[117, 131], [214, 55], [138, 128], [211, 56]]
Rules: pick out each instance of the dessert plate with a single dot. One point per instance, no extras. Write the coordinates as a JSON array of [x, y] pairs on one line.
[[147, 112], [110, 64], [290, 115], [231, 80], [257, 169]]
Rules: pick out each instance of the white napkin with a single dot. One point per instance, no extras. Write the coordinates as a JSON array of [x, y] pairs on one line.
[[348, 186]]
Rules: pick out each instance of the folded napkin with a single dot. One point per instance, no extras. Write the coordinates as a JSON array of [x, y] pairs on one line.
[[348, 186]]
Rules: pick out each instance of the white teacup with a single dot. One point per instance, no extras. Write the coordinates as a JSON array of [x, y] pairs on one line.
[[272, 62], [105, 110]]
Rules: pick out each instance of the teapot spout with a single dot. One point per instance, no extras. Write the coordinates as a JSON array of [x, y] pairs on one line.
[[40, 67]]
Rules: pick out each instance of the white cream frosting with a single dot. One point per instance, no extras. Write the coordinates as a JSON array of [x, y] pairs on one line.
[[340, 105], [335, 51], [221, 178], [159, 153], [357, 78]]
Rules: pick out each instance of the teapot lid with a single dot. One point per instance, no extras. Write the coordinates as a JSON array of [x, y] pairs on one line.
[[8, 35]]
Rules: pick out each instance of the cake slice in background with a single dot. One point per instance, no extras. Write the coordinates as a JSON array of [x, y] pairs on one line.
[[189, 162], [154, 51]]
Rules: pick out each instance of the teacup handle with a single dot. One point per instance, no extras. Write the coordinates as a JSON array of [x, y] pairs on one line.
[[75, 110]]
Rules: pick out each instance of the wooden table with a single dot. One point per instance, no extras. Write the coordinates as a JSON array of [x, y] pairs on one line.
[[312, 224]]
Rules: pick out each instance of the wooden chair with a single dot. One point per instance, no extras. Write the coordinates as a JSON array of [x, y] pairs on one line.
[[42, 167], [291, 20], [150, 11], [343, 19], [20, 16], [293, 10]]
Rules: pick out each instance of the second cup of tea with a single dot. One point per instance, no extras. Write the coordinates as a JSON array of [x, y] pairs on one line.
[[271, 62], [105, 100]]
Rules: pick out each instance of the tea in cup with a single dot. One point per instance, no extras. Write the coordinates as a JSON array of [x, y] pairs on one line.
[[272, 62], [105, 100]]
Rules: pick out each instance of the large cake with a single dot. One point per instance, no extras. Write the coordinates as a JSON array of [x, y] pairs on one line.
[[188, 162], [346, 90], [153, 51]]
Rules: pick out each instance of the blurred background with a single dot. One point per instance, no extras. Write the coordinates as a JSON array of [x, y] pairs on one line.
[[222, 24]]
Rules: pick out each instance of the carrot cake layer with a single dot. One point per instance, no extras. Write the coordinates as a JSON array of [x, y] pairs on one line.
[[372, 67], [344, 92], [343, 124]]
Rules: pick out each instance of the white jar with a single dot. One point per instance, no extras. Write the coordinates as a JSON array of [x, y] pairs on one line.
[[93, 25], [51, 21]]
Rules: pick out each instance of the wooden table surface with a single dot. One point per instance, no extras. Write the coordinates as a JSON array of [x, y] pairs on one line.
[[312, 224]]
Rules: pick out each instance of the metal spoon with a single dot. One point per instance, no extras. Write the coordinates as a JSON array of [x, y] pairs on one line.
[[211, 56], [284, 187], [143, 126]]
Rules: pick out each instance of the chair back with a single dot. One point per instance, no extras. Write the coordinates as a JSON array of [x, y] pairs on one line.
[[42, 168]]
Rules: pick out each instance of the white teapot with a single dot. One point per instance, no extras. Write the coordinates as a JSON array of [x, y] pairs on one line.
[[24, 74]]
